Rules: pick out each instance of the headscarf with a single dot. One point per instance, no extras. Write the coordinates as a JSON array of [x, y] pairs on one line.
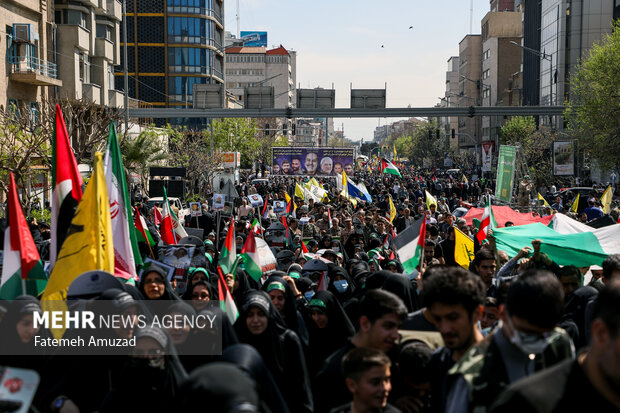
[[324, 341], [168, 293], [249, 360], [219, 387], [10, 343], [291, 317]]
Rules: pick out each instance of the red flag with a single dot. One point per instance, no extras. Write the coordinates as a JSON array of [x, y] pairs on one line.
[[21, 238], [140, 226], [264, 213], [157, 218], [285, 226], [67, 184], [167, 228], [322, 285], [304, 249], [329, 217]]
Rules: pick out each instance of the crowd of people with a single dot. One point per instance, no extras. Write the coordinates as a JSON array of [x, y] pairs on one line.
[[341, 326]]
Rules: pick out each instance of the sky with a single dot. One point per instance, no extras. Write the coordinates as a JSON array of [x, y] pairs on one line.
[[366, 43]]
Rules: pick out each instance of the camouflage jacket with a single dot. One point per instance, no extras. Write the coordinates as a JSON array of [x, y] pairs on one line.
[[485, 373]]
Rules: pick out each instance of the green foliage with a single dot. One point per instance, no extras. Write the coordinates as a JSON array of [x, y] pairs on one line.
[[594, 108], [426, 149], [41, 215], [536, 146], [238, 135], [517, 130], [281, 141], [144, 151]]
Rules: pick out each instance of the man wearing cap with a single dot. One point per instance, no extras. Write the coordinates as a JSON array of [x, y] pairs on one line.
[[347, 230]]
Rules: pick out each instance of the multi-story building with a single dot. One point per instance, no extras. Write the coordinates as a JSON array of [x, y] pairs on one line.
[[562, 31], [380, 133], [27, 60], [309, 133], [470, 65], [501, 63], [172, 45], [257, 66], [451, 99]]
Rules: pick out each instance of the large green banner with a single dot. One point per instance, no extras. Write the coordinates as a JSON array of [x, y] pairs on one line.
[[505, 172]]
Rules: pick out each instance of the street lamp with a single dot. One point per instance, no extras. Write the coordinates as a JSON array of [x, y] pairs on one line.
[[544, 56]]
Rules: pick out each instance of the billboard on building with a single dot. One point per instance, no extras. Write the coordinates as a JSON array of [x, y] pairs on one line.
[[563, 158], [312, 161], [254, 38], [487, 155]]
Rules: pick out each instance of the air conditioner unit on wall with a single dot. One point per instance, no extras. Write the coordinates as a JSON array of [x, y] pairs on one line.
[[24, 33]]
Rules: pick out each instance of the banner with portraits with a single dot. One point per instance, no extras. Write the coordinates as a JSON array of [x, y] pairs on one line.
[[312, 161]]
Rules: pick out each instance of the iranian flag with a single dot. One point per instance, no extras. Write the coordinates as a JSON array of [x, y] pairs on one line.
[[143, 234], [157, 218], [228, 255], [487, 222], [388, 167], [167, 227], [410, 244], [227, 304], [251, 261], [265, 212], [126, 252], [256, 227], [22, 270], [67, 184]]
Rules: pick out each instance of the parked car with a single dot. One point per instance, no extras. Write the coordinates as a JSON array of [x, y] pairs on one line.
[[183, 209], [584, 192]]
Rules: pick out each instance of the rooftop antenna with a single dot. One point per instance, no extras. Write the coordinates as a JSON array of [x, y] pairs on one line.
[[238, 22], [471, 16]]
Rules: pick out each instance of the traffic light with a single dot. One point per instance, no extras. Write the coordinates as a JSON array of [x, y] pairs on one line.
[[293, 128], [430, 134], [437, 133], [284, 128], [266, 129], [453, 134]]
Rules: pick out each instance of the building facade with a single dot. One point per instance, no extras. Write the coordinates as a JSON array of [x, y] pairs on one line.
[[257, 66], [27, 59], [470, 52], [501, 63], [171, 46], [88, 49]]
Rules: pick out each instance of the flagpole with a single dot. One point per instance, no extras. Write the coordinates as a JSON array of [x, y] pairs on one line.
[[150, 249], [24, 287]]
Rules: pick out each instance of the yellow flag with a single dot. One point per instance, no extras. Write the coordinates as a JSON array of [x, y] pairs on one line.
[[299, 191], [463, 249], [606, 200], [345, 188], [314, 182], [287, 197], [430, 200], [392, 210], [540, 198], [575, 205], [351, 199], [88, 245], [464, 179], [394, 151]]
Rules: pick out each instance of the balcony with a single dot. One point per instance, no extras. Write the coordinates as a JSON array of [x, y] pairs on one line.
[[104, 48], [75, 35], [92, 92], [26, 69], [114, 9], [116, 98]]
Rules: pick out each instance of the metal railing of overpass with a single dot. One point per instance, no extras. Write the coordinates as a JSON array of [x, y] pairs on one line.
[[471, 111]]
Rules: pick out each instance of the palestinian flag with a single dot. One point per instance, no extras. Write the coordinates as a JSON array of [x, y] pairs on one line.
[[304, 248], [167, 227], [291, 207], [410, 244], [142, 229], [487, 222], [22, 270], [228, 255], [126, 252], [251, 261], [265, 212], [227, 304], [67, 184], [388, 167]]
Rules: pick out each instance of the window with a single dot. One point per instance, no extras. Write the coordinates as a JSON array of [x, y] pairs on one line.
[[188, 60], [486, 74], [104, 32], [486, 54], [34, 112], [188, 30], [84, 66]]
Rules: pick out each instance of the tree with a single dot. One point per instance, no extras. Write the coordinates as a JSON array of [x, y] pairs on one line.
[[594, 106], [240, 135], [426, 149], [145, 150], [535, 144]]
